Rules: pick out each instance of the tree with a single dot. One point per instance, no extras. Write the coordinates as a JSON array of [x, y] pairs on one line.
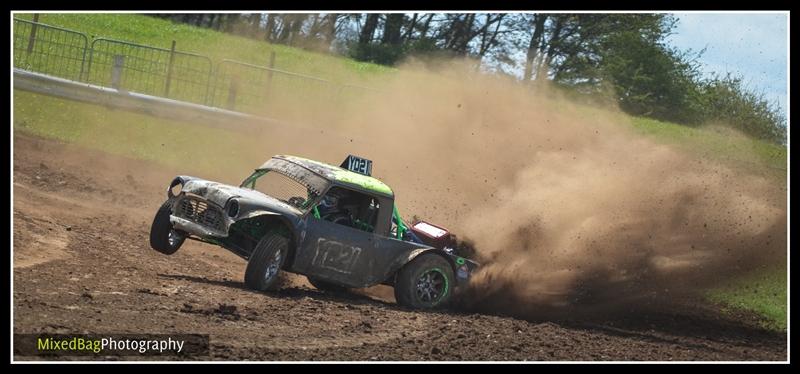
[[536, 43], [455, 33], [391, 29], [725, 99], [410, 27], [270, 27], [368, 31], [489, 32], [651, 79], [627, 54], [329, 29], [423, 32]]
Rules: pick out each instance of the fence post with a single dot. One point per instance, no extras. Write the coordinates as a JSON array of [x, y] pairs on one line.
[[89, 64], [83, 57], [32, 38], [269, 73], [169, 69], [232, 92], [208, 99], [116, 71]]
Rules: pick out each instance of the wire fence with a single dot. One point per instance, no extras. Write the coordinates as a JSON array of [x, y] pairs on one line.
[[149, 70], [49, 49], [246, 87], [168, 73]]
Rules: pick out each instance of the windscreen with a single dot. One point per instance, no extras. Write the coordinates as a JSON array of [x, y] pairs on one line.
[[301, 190]]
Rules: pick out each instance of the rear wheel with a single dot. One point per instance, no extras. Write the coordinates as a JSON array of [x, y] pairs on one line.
[[424, 283], [325, 285], [163, 237], [265, 262]]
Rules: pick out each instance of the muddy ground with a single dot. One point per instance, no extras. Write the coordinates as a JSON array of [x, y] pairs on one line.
[[83, 264]]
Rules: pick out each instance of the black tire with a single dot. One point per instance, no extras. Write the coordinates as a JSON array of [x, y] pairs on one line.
[[326, 286], [431, 272], [265, 263], [163, 238]]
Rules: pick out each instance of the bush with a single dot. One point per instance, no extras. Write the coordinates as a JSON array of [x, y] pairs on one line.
[[387, 54], [384, 54], [651, 79], [727, 100]]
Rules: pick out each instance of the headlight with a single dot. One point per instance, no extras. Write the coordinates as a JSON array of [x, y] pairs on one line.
[[233, 208], [175, 187]]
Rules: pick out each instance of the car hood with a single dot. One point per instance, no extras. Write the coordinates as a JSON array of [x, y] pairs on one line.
[[220, 194]]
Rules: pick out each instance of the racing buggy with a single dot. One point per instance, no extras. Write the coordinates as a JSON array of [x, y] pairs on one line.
[[338, 226]]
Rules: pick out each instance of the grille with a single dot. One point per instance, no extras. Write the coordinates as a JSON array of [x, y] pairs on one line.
[[200, 212]]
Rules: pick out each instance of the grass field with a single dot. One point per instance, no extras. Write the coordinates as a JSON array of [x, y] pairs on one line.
[[141, 136], [763, 292], [716, 142], [129, 134]]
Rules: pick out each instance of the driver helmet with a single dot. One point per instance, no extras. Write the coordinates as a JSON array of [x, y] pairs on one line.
[[329, 201]]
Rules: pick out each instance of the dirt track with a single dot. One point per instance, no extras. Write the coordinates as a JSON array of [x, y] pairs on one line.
[[82, 264]]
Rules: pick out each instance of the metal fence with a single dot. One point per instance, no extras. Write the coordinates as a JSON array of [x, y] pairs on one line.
[[246, 87], [49, 49], [149, 70], [165, 72]]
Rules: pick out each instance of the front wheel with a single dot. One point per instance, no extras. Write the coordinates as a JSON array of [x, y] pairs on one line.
[[424, 283], [265, 263], [163, 237]]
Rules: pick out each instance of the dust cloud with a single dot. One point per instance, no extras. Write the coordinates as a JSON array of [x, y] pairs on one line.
[[567, 207]]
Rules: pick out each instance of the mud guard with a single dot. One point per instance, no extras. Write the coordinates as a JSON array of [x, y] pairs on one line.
[[401, 261], [462, 267], [295, 234]]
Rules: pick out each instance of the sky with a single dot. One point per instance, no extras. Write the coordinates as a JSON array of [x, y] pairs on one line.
[[753, 45]]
